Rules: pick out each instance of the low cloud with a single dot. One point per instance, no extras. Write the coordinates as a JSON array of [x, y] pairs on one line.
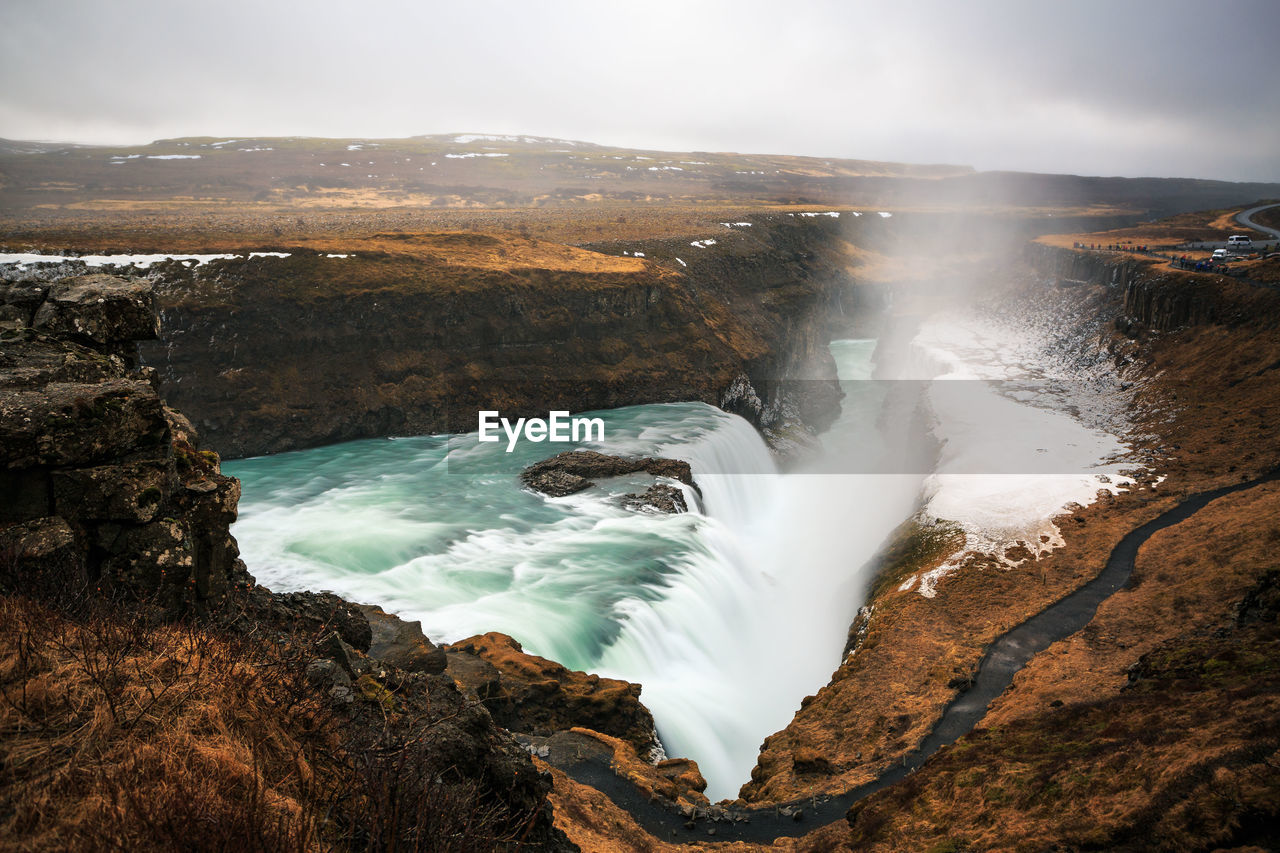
[[1140, 88]]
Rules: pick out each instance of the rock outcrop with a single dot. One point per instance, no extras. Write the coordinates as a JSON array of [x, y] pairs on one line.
[[1155, 296], [105, 491], [570, 472], [657, 498], [402, 644], [533, 695], [104, 485]]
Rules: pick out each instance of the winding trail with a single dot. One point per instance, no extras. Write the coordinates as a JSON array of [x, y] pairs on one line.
[[1004, 657], [1245, 218]]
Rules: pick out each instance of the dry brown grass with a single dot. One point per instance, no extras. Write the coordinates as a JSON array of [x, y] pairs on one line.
[[1187, 759], [1165, 234], [120, 732]]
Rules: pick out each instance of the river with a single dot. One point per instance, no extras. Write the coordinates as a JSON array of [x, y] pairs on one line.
[[727, 615]]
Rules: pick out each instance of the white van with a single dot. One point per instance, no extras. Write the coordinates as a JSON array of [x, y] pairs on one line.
[[1239, 243]]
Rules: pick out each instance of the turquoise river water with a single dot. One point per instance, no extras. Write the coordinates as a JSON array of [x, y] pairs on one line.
[[712, 611], [730, 614]]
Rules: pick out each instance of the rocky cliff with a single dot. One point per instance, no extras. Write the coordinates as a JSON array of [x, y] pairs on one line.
[[150, 690], [104, 485], [1154, 295], [413, 333], [1201, 354], [1145, 730]]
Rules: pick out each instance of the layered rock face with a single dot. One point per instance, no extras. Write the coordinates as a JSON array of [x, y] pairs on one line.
[[272, 354], [1153, 295], [103, 483], [105, 491], [527, 693]]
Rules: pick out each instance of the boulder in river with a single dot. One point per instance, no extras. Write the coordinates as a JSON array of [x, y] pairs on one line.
[[572, 471]]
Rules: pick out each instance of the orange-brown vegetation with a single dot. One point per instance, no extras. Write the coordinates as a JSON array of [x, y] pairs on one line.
[[123, 732], [1167, 237], [1068, 755], [1154, 728], [1192, 227]]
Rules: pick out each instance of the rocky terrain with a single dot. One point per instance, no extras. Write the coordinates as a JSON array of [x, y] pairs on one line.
[[1153, 725], [416, 332], [1203, 351], [149, 688], [567, 473], [103, 481]]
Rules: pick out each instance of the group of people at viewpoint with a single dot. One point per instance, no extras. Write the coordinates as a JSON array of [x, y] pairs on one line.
[[1113, 247], [1207, 265]]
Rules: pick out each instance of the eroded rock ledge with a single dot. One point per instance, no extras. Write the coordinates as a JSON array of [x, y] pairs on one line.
[[108, 506], [102, 482], [571, 472], [527, 693]]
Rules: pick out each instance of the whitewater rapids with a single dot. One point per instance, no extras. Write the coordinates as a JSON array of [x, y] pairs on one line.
[[727, 615]]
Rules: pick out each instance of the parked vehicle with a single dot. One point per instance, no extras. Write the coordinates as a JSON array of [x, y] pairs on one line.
[[1239, 243], [1219, 254]]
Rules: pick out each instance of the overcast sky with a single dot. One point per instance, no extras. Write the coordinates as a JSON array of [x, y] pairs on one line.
[[1158, 87]]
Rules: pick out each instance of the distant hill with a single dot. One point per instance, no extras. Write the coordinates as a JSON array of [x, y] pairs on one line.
[[496, 171]]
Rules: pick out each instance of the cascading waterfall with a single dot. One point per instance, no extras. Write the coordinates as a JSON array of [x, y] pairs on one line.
[[727, 615], [757, 619]]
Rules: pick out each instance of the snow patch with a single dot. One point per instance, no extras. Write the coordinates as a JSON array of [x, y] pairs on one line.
[[468, 155], [702, 244], [26, 259], [174, 156], [468, 138]]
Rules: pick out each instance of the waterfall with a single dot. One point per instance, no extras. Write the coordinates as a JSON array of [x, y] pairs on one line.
[[727, 615], [757, 616]]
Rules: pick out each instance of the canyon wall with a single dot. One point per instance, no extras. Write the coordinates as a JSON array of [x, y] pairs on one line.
[[1151, 294], [1202, 353], [104, 486], [111, 515], [1063, 756], [270, 354]]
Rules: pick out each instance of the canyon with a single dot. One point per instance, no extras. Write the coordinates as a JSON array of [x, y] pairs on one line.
[[416, 330]]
